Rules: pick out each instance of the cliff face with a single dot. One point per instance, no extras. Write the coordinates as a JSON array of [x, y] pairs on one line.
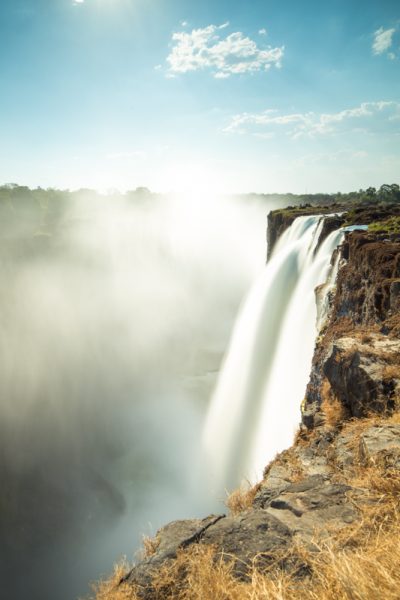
[[347, 452], [358, 351]]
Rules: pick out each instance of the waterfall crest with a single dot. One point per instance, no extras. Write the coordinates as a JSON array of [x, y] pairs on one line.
[[255, 409]]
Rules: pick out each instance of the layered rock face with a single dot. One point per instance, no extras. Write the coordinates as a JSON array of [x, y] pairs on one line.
[[314, 488], [358, 351]]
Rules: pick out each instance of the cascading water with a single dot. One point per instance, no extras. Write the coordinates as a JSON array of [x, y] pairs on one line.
[[255, 409]]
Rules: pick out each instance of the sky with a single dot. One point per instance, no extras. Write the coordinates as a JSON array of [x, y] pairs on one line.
[[177, 95]]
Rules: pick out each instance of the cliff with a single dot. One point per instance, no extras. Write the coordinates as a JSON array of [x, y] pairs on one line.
[[324, 522]]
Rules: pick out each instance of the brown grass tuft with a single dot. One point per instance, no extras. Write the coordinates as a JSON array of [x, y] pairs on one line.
[[242, 499], [391, 372], [150, 545], [112, 588], [290, 461], [332, 409]]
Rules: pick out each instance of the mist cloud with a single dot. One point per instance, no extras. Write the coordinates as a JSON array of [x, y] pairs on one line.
[[112, 331]]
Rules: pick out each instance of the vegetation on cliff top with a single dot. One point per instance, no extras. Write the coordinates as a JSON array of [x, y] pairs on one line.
[[353, 202], [390, 225]]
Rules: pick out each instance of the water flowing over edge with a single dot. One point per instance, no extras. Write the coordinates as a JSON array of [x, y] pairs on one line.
[[255, 409]]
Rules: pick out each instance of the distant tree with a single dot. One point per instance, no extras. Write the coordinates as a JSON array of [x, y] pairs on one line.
[[389, 193], [371, 192]]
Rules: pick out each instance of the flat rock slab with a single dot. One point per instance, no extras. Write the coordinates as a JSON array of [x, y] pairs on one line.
[[313, 505], [379, 442], [248, 536]]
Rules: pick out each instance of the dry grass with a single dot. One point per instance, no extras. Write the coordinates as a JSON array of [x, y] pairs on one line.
[[366, 338], [333, 410], [150, 545], [391, 372], [242, 498], [290, 461], [356, 426], [112, 589], [366, 572]]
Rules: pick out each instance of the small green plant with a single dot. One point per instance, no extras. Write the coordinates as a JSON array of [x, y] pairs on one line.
[[390, 225]]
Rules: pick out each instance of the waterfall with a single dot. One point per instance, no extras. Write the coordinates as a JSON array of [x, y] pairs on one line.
[[255, 409]]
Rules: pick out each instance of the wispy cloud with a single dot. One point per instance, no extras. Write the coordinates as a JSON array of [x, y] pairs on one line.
[[224, 56], [78, 1], [383, 40], [369, 117]]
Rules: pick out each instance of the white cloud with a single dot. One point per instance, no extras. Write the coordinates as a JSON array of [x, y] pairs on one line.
[[383, 39], [369, 117], [78, 1], [262, 31], [234, 54], [184, 23]]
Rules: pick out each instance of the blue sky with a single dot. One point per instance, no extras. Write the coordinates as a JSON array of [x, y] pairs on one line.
[[175, 95]]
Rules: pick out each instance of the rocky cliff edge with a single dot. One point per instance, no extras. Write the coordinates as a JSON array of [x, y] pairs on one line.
[[335, 493]]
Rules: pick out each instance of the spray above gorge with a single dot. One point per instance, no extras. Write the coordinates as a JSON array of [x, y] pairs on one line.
[[115, 314]]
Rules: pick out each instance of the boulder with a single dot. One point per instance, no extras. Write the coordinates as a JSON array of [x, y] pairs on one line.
[[360, 375], [381, 442]]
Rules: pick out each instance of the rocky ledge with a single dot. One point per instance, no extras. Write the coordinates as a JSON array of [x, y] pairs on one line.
[[350, 432]]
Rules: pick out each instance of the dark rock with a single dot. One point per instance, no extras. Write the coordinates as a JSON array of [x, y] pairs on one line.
[[171, 538], [308, 416], [330, 224], [395, 295], [248, 536], [356, 373]]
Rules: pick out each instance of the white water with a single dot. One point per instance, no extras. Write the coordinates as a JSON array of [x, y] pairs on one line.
[[255, 409]]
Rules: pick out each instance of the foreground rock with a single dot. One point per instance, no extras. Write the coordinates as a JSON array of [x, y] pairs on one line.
[[301, 499]]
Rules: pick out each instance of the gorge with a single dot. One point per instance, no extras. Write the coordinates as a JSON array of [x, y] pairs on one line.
[[338, 484]]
